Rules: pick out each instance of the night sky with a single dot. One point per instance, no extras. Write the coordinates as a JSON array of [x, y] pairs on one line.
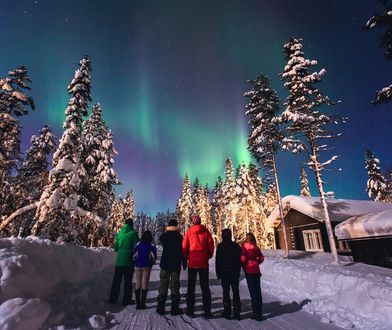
[[170, 76]]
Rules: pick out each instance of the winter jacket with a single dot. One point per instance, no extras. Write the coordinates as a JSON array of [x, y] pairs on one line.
[[172, 256], [228, 259], [251, 258], [124, 244], [145, 254], [198, 246]]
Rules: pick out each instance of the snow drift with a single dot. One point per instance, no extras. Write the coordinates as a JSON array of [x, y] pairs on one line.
[[34, 268], [355, 295]]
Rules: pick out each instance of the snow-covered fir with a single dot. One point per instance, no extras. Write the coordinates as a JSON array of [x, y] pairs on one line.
[[32, 177], [58, 215], [305, 191], [97, 158], [376, 184], [217, 210], [229, 196], [185, 204], [14, 102]]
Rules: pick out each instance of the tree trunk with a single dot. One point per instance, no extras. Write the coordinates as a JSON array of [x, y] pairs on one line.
[[324, 204], [286, 250]]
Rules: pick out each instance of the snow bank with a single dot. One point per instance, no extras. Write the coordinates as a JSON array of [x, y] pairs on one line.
[[34, 268], [352, 295]]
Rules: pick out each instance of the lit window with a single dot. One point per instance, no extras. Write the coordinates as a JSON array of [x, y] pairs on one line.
[[312, 240]]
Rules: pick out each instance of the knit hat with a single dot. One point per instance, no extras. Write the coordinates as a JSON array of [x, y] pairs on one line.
[[226, 234], [196, 220], [173, 223]]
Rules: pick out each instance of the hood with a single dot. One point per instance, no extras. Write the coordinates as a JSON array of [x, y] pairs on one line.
[[199, 229], [126, 229]]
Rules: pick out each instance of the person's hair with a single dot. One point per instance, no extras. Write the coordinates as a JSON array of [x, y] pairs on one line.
[[146, 237], [250, 238], [129, 221], [173, 223]]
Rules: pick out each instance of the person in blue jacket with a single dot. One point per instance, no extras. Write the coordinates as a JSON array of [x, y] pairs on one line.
[[145, 255]]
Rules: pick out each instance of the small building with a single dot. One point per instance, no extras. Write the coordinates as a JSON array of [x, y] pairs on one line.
[[369, 237], [305, 225]]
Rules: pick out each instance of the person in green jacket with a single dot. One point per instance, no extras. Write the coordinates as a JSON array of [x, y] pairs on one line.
[[124, 244]]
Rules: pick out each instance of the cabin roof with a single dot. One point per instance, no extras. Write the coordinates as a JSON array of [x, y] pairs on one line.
[[367, 225], [339, 209]]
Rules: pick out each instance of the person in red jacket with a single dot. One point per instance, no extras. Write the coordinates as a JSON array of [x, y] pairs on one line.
[[198, 248], [251, 258]]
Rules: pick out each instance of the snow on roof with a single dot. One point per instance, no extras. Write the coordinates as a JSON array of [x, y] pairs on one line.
[[339, 209], [366, 225]]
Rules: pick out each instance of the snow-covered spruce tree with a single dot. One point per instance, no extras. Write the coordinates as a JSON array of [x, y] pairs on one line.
[[58, 215], [249, 214], [229, 197], [129, 205], [32, 177], [376, 184], [305, 191], [305, 121], [388, 190], [383, 21], [97, 158], [265, 137], [14, 102], [207, 208], [200, 204], [185, 204], [217, 210]]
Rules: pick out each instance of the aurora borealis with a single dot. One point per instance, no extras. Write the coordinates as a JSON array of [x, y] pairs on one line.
[[170, 76]]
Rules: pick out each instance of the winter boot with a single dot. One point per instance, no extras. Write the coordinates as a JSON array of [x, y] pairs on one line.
[[143, 299], [137, 297], [226, 309], [175, 306], [237, 311], [161, 305]]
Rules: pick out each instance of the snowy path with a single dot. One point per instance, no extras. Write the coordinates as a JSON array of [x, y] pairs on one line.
[[277, 315]]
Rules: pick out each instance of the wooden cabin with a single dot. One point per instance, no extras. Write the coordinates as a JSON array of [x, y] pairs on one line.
[[305, 225]]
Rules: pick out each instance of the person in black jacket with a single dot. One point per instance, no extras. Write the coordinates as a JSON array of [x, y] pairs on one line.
[[171, 260], [228, 267]]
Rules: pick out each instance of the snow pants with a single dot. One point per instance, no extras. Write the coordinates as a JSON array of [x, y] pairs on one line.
[[205, 289], [142, 275], [119, 273], [231, 281], [253, 281], [169, 278]]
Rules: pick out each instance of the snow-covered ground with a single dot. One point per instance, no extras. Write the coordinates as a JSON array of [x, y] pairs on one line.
[[48, 284]]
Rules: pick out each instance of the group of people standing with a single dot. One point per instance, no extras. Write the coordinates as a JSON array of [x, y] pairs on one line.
[[192, 251]]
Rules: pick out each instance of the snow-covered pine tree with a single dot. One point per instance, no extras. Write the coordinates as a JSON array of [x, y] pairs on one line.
[[199, 203], [376, 184], [249, 216], [388, 190], [185, 204], [207, 209], [305, 191], [129, 202], [217, 211], [265, 138], [383, 21], [32, 177], [97, 158], [58, 214], [229, 196], [14, 102], [305, 121]]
